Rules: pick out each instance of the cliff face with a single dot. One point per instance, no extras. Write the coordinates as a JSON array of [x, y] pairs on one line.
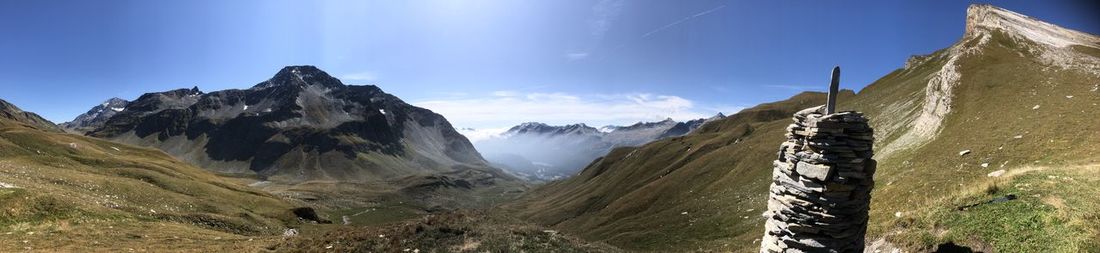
[[982, 19]]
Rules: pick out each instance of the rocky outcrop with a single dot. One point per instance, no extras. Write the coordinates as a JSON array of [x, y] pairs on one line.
[[1051, 44], [983, 19], [821, 185]]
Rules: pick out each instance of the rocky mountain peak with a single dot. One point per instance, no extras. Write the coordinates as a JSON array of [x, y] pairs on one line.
[[577, 126], [115, 101], [984, 18], [301, 76], [98, 115]]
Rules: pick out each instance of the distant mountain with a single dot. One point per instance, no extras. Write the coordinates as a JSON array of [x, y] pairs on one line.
[[683, 128], [540, 152], [1009, 109], [11, 115], [96, 116], [303, 125]]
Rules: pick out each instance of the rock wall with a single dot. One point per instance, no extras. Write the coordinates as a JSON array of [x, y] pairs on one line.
[[821, 184]]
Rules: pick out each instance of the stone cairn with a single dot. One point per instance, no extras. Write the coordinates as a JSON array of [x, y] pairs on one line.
[[821, 183]]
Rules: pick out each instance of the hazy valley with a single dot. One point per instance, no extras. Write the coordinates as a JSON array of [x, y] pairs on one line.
[[302, 162]]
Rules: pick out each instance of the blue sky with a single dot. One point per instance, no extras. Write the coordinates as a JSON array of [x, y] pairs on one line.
[[482, 64]]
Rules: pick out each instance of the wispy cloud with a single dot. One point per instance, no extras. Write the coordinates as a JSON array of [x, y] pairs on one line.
[[359, 76], [604, 14], [682, 20], [504, 109], [576, 56]]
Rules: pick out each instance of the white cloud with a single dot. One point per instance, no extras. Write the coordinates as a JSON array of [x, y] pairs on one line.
[[505, 93], [359, 76], [504, 109], [480, 134], [576, 56]]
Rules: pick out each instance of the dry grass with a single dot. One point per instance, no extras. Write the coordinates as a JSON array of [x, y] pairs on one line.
[[1055, 212], [82, 194]]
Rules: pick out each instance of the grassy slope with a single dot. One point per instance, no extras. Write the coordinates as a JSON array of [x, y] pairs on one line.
[[994, 104], [691, 191], [699, 192], [78, 194]]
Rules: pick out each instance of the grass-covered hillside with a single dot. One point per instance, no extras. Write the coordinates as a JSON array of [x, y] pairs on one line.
[[63, 192], [703, 190], [1019, 102]]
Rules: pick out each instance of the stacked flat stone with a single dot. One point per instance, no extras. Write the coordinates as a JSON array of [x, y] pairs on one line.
[[821, 184]]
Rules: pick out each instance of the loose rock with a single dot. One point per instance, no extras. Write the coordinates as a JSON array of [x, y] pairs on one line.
[[290, 233], [821, 184]]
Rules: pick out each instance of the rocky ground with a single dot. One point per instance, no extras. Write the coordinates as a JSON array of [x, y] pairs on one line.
[[462, 231]]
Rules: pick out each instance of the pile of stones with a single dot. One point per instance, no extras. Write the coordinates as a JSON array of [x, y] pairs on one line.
[[821, 184]]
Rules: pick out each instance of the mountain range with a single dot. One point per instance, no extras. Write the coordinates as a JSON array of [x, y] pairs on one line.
[[1009, 109], [541, 152], [300, 128]]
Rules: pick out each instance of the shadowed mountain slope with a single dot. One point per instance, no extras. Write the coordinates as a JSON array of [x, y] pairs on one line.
[[11, 115]]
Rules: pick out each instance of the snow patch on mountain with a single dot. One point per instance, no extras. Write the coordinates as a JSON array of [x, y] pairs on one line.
[[96, 116]]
